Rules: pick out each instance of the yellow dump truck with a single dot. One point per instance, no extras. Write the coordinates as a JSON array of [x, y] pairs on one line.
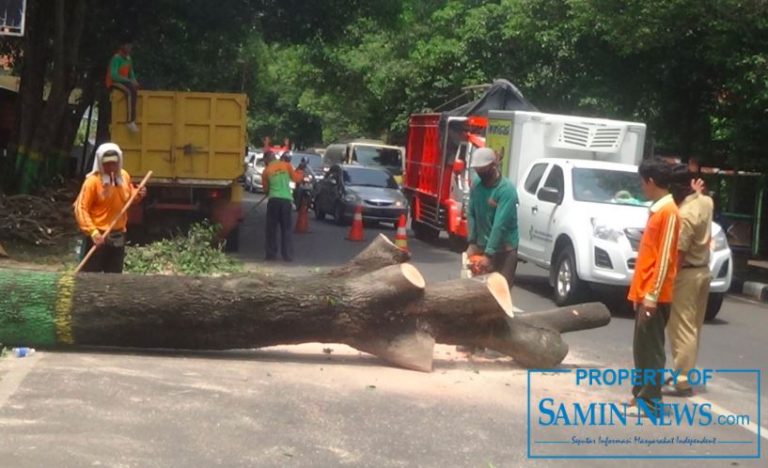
[[194, 145]]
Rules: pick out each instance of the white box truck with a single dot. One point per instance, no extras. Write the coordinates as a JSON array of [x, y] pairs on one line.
[[582, 210]]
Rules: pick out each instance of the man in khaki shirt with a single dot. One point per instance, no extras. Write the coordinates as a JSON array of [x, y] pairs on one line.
[[691, 291]]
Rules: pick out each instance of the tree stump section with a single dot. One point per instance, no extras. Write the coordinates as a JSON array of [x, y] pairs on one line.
[[376, 303]]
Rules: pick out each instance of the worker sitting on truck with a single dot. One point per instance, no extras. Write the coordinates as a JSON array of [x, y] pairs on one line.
[[120, 76], [492, 217], [102, 197], [276, 180]]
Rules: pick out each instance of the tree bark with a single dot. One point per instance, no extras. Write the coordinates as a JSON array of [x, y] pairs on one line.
[[375, 303]]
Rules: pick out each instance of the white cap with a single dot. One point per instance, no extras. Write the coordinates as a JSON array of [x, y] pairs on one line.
[[482, 157]]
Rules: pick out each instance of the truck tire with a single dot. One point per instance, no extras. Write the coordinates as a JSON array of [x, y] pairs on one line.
[[569, 289], [714, 303], [233, 240], [457, 243], [424, 232]]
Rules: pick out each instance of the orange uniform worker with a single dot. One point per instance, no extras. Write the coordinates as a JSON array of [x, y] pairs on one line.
[[276, 180], [103, 195], [653, 282]]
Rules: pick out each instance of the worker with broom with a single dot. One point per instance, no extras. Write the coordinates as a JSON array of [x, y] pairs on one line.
[[102, 203]]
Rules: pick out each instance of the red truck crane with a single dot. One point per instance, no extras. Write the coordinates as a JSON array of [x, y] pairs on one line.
[[436, 179]]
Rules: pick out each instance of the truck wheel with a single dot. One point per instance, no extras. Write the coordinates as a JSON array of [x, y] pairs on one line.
[[423, 232], [569, 289], [233, 240], [714, 303], [458, 243]]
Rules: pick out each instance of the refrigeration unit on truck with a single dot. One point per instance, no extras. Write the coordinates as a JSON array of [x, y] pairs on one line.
[[581, 209], [194, 145]]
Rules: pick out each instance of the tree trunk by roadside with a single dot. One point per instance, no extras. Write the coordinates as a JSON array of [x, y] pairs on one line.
[[379, 306], [42, 123]]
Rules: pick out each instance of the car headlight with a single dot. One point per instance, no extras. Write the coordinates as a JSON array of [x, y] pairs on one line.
[[719, 241], [351, 198], [604, 232], [399, 203]]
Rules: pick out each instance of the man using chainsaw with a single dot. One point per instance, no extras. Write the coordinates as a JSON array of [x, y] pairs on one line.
[[104, 193], [492, 218]]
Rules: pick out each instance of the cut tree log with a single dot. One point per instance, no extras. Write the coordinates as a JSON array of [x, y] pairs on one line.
[[374, 303]]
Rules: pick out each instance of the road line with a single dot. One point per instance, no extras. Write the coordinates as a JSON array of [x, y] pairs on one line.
[[751, 427], [17, 372]]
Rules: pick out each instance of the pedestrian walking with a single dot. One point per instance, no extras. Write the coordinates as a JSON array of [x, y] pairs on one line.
[[693, 277], [276, 180], [652, 284], [104, 193], [492, 217]]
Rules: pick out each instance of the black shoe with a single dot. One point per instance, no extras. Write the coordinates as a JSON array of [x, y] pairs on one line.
[[635, 411], [270, 259], [287, 259], [678, 392]]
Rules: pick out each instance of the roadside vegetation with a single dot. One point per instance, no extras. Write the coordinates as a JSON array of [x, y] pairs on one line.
[[195, 253]]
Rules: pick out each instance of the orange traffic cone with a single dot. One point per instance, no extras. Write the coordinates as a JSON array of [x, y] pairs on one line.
[[356, 231], [401, 238], [302, 220]]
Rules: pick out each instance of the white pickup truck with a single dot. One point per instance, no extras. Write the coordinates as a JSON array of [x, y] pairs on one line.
[[582, 211]]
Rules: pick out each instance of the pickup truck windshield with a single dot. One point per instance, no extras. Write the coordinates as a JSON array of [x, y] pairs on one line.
[[607, 186]]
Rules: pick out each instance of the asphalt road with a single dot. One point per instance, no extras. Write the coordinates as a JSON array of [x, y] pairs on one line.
[[329, 405]]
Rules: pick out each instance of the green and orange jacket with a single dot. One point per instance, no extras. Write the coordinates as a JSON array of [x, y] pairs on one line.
[[277, 177], [120, 70]]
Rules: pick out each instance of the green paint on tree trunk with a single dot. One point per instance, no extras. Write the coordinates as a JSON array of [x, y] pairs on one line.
[[28, 307]]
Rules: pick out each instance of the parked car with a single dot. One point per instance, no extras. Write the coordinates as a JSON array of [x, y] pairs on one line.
[[252, 178], [369, 153], [347, 186]]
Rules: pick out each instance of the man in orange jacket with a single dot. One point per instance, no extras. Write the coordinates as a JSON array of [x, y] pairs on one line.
[[103, 195], [653, 283]]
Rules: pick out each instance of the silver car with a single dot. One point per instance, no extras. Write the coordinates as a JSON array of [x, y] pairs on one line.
[[347, 186], [253, 171]]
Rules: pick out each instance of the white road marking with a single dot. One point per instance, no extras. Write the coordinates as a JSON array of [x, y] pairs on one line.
[[751, 427]]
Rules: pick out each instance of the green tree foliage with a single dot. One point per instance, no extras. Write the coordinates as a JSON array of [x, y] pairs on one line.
[[315, 72]]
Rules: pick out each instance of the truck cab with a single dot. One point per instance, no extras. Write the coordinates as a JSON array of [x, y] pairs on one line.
[[581, 209]]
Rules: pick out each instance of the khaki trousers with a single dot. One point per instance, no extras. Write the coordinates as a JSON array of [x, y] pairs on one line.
[[686, 318]]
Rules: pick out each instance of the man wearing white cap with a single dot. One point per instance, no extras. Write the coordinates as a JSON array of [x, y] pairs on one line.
[[492, 217], [103, 195]]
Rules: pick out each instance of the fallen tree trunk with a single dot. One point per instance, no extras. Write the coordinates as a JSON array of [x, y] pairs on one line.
[[374, 303]]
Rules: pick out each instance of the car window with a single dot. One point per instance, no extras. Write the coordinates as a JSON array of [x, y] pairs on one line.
[[388, 158], [534, 177], [607, 186], [555, 179], [369, 178]]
